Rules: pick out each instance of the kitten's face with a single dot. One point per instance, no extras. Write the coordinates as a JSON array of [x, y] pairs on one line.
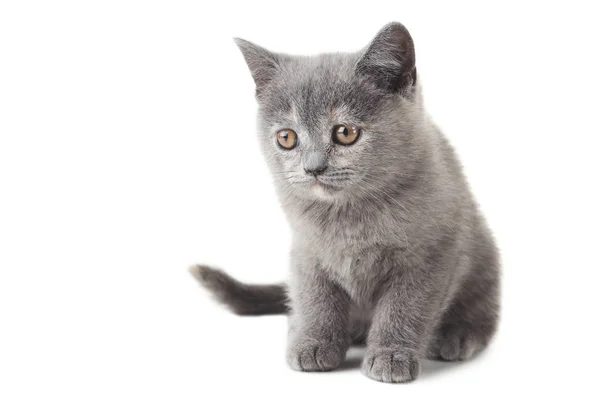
[[328, 127], [317, 123]]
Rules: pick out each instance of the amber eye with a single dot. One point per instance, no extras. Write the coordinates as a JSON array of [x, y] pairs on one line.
[[346, 135], [287, 138]]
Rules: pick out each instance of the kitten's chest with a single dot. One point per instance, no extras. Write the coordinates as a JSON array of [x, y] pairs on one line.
[[360, 270], [355, 232], [356, 251]]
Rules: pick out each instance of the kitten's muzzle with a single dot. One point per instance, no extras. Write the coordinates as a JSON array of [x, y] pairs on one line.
[[315, 171]]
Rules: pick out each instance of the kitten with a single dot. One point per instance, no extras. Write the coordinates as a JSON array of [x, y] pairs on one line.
[[389, 248]]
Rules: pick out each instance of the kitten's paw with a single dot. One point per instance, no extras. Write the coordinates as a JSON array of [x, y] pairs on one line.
[[314, 356], [390, 365], [454, 344]]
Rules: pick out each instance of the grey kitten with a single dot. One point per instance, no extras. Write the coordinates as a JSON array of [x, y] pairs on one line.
[[389, 248]]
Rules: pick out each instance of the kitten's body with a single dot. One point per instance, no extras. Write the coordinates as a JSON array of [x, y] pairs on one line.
[[393, 252]]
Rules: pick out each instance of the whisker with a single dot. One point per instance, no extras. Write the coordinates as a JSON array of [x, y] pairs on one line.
[[389, 197], [284, 172], [414, 203]]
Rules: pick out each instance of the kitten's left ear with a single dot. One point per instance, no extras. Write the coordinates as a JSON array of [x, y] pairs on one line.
[[389, 60], [262, 63]]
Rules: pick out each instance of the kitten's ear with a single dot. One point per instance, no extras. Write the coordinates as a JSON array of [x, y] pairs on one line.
[[389, 60], [262, 63]]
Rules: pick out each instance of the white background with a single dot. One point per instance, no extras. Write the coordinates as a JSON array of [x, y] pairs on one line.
[[128, 152]]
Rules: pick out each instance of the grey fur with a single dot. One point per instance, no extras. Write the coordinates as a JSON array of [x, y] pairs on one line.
[[241, 298], [393, 250]]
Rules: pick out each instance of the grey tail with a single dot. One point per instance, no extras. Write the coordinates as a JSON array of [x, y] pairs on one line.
[[241, 298]]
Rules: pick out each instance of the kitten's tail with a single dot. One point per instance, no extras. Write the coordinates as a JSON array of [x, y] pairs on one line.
[[241, 298]]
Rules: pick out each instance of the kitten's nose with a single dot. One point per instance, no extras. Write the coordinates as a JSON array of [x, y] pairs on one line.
[[316, 170], [315, 162]]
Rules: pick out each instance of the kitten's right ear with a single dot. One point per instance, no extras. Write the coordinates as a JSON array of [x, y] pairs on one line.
[[262, 63]]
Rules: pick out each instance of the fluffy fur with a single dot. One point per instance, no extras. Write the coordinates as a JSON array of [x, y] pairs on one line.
[[389, 248]]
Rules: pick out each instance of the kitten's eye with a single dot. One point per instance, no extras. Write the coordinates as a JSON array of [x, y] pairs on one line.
[[287, 138], [346, 135]]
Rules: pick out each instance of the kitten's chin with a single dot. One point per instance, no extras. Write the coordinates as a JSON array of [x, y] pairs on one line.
[[320, 191], [323, 191], [316, 190]]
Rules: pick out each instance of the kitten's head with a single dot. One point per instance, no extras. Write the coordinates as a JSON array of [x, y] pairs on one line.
[[338, 125]]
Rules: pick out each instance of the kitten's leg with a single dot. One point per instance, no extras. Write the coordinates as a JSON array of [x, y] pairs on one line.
[[318, 337], [470, 322], [401, 325]]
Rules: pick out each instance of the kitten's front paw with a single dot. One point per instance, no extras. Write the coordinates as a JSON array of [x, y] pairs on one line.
[[390, 365], [314, 356]]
